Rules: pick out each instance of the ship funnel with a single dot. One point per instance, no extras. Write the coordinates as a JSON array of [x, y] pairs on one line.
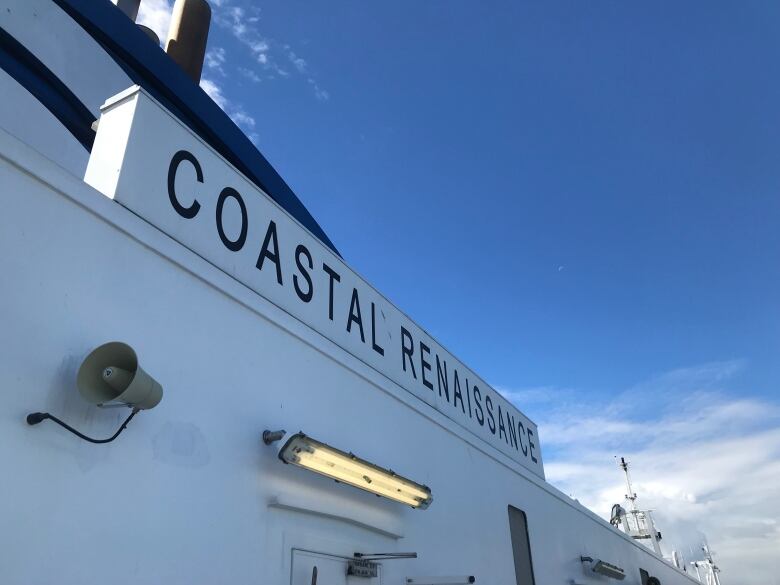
[[188, 34], [130, 8]]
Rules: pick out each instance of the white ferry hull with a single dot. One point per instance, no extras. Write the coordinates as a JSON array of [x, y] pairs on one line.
[[189, 493]]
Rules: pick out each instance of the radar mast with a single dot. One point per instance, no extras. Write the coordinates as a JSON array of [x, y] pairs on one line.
[[707, 567], [638, 524]]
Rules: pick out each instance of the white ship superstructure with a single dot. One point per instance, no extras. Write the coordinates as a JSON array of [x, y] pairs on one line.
[[135, 211]]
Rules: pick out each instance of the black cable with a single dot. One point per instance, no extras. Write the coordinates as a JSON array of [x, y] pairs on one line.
[[38, 417]]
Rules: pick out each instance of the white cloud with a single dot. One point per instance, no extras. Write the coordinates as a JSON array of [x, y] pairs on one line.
[[319, 93], [156, 14], [242, 22], [536, 395], [215, 92], [235, 111], [297, 61], [243, 119], [703, 460], [235, 19], [250, 74], [259, 48], [215, 59]]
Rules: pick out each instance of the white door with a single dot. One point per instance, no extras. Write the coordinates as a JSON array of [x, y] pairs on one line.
[[330, 570]]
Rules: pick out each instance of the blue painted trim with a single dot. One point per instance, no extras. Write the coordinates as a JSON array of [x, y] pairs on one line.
[[54, 95], [152, 69]]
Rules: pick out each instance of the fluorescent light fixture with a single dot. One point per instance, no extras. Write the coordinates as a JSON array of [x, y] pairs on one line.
[[306, 452], [604, 568]]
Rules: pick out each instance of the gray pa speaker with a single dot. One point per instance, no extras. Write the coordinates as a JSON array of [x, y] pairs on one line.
[[111, 374]]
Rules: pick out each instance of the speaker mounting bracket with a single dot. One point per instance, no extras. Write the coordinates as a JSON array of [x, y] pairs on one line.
[[113, 405], [35, 418]]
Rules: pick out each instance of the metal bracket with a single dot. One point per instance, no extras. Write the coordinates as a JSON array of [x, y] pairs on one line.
[[113, 405], [459, 580], [362, 568], [272, 436]]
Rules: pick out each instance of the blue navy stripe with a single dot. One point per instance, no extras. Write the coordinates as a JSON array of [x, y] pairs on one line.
[[153, 70], [54, 95]]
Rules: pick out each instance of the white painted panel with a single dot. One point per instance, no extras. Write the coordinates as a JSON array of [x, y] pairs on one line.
[[149, 162], [189, 494]]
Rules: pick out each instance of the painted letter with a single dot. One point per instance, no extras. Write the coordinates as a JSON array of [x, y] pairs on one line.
[[231, 245], [304, 296], [354, 315], [443, 378], [478, 405], [334, 276], [491, 418], [377, 348], [424, 365], [265, 251], [192, 210], [407, 350]]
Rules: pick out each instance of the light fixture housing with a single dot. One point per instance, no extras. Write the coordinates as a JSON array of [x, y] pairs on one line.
[[303, 451], [604, 568]]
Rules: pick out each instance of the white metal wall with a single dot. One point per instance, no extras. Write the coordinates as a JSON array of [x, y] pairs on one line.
[[189, 494]]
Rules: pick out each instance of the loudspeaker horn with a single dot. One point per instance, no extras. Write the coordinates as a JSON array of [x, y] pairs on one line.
[[111, 374]]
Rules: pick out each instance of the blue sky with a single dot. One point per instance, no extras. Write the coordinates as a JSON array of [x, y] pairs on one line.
[[579, 199]]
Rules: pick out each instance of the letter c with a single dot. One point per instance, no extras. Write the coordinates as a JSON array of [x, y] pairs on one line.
[[182, 155]]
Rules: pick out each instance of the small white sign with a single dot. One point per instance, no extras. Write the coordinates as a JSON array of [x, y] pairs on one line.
[[151, 163]]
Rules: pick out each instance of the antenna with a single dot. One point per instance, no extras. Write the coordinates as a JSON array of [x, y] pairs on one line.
[[638, 524], [707, 565], [631, 495]]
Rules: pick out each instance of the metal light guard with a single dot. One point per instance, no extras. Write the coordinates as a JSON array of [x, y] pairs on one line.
[[604, 568], [316, 456]]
